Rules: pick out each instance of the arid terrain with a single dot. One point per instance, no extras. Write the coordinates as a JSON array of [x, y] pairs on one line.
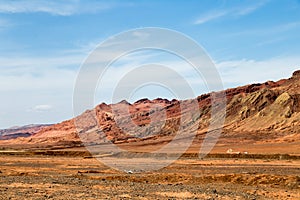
[[78, 176], [257, 155]]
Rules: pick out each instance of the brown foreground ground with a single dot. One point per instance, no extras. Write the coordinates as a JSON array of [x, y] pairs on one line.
[[61, 175]]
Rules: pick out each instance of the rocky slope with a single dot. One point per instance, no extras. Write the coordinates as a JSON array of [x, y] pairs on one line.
[[256, 113]]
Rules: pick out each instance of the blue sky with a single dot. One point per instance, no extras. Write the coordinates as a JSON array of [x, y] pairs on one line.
[[43, 43]]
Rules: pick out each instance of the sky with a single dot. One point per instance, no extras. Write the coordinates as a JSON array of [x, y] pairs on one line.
[[44, 43]]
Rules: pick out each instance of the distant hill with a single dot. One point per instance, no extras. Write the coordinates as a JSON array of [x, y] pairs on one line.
[[21, 131]]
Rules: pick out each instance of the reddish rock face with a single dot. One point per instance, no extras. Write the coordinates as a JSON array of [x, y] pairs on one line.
[[259, 109]]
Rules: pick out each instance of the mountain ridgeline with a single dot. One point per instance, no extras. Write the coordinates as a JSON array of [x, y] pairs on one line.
[[257, 113]]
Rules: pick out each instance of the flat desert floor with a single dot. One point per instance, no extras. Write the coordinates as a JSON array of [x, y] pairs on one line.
[[75, 176]]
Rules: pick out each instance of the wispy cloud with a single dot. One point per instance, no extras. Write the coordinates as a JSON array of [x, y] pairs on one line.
[[240, 72], [38, 73], [235, 12], [55, 7], [211, 16], [249, 9], [42, 108]]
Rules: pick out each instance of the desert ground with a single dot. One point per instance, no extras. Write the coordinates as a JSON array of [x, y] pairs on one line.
[[74, 174]]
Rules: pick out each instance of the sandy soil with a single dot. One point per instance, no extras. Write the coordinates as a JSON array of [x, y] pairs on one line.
[[76, 177]]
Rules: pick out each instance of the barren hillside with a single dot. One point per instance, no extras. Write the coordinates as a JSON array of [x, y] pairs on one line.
[[267, 113]]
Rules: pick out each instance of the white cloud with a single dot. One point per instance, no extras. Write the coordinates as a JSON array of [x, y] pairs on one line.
[[247, 10], [19, 62], [42, 108], [48, 80], [241, 72], [237, 11], [210, 16], [19, 73], [55, 7]]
